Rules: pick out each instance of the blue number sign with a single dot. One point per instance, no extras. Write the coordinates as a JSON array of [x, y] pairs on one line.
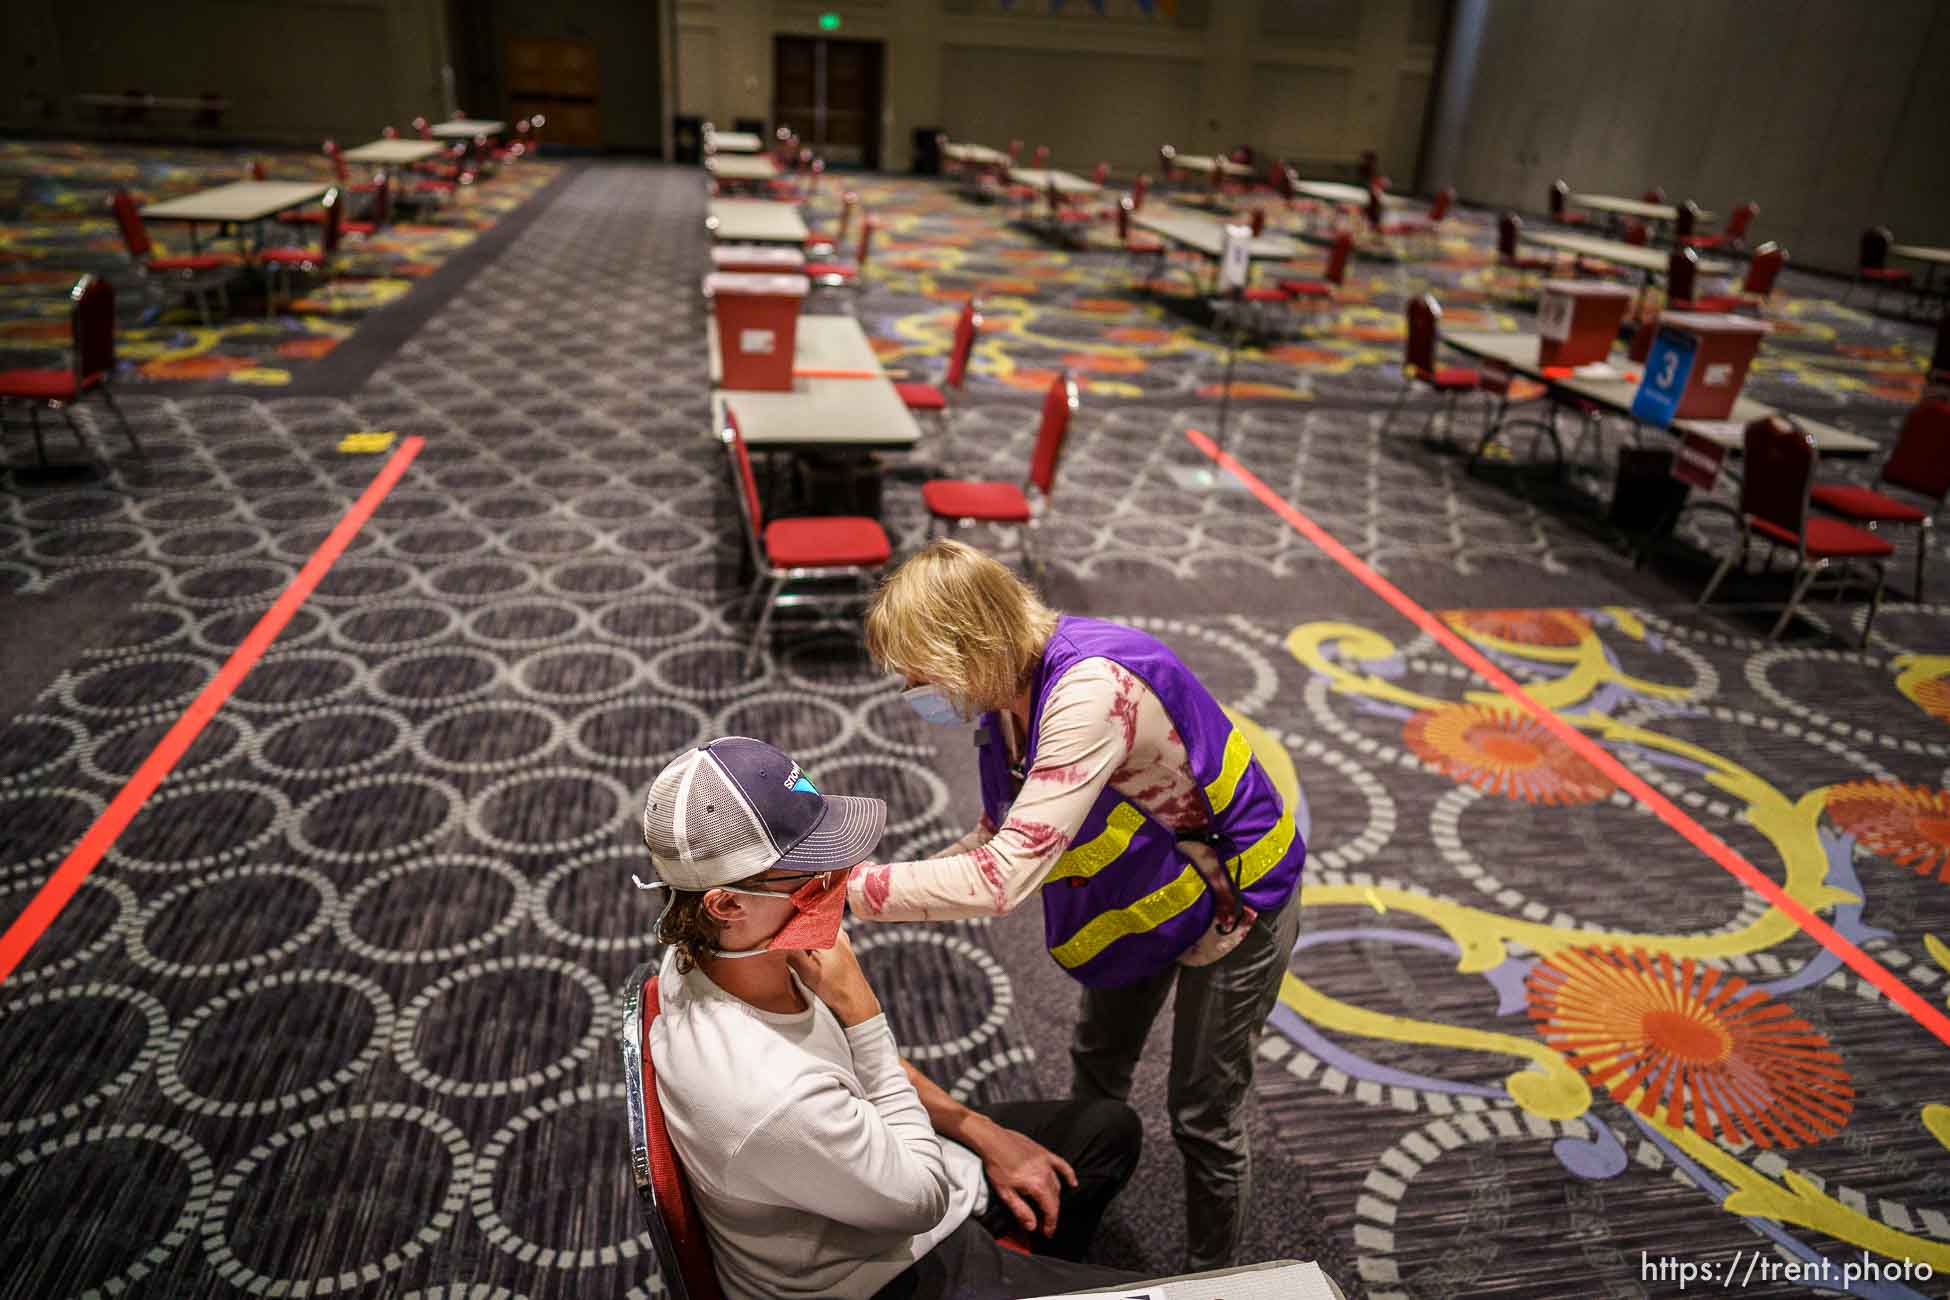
[[1667, 367]]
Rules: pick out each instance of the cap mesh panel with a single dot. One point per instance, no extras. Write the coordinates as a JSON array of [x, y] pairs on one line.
[[694, 814]]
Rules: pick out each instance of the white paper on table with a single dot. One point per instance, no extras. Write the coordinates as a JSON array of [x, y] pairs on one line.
[[1236, 260], [1598, 370], [1554, 317]]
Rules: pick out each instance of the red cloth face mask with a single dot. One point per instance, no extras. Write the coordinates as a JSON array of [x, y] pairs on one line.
[[817, 909]]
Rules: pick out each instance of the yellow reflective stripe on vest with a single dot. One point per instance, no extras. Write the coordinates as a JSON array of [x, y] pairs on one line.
[[1159, 906], [1148, 913], [1239, 754], [1093, 855], [1265, 853]]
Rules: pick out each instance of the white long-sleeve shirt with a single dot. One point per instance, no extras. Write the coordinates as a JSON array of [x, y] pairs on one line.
[[1100, 725], [814, 1165]]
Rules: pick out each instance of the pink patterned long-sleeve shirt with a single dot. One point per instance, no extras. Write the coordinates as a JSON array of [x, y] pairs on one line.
[[1100, 725]]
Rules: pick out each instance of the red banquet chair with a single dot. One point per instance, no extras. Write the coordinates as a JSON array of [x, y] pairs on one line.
[[92, 319], [969, 501], [1418, 227], [1420, 369], [818, 245], [814, 548], [1872, 264], [1920, 465], [193, 275], [343, 175], [1560, 209], [930, 397], [1755, 287], [1509, 233], [685, 1265], [1735, 234], [1322, 292], [1774, 497], [280, 263], [837, 275]]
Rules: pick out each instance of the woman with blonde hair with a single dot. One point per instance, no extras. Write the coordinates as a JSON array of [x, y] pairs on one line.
[[1116, 787]]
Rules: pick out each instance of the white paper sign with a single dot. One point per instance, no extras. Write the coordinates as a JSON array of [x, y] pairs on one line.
[[1237, 262], [1554, 317], [757, 341], [1718, 374]]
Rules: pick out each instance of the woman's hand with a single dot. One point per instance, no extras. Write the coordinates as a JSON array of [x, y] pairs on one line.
[[1027, 1175], [833, 975]]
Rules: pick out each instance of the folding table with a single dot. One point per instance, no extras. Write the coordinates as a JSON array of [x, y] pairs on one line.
[[732, 142], [756, 221], [467, 128], [394, 153], [742, 167], [236, 205]]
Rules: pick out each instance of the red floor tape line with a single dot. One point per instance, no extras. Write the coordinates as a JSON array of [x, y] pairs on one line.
[[60, 887], [1590, 750]]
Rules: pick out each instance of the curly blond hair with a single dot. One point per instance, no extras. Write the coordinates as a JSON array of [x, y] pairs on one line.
[[958, 618]]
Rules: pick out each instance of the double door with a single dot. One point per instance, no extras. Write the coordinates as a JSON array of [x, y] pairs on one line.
[[828, 91]]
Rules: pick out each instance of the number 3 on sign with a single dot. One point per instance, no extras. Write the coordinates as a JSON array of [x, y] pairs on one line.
[[1668, 370]]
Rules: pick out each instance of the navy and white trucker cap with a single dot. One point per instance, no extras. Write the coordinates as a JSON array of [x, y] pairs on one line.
[[737, 806]]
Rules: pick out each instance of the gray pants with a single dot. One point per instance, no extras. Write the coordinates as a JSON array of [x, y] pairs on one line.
[[1216, 1023]]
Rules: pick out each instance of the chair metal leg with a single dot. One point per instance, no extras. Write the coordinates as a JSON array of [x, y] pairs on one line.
[[1395, 410], [1924, 536], [40, 442], [122, 419], [1719, 574], [1802, 583], [764, 624], [75, 429], [1875, 603]]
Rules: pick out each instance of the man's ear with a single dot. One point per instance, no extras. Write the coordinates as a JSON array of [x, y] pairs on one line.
[[723, 906]]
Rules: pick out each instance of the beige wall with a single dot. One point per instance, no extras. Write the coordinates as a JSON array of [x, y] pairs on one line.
[[1832, 115], [295, 70], [1316, 79]]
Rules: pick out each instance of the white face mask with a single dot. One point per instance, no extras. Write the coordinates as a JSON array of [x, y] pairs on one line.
[[934, 705]]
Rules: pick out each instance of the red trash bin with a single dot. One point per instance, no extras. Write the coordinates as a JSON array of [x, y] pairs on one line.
[[758, 324]]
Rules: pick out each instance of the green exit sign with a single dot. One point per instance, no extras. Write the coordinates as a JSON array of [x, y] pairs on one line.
[[829, 22]]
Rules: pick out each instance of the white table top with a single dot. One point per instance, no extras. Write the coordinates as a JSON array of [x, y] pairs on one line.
[[823, 343], [1520, 351], [394, 151], [974, 153], [1618, 252], [1207, 233], [467, 127], [1279, 1280], [1198, 162], [1618, 205], [821, 412], [756, 221], [743, 167], [1921, 253], [1342, 192], [1041, 178], [732, 142], [237, 201]]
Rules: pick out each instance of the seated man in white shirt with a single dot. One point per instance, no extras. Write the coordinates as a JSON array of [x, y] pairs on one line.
[[822, 1163]]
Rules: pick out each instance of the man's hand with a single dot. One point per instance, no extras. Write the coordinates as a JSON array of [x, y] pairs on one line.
[[1024, 1173], [833, 975]]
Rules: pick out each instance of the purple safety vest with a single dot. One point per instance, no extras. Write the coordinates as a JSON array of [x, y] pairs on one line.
[[1124, 902]]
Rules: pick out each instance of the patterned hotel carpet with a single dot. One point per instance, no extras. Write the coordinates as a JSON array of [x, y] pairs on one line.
[[366, 937], [55, 225]]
